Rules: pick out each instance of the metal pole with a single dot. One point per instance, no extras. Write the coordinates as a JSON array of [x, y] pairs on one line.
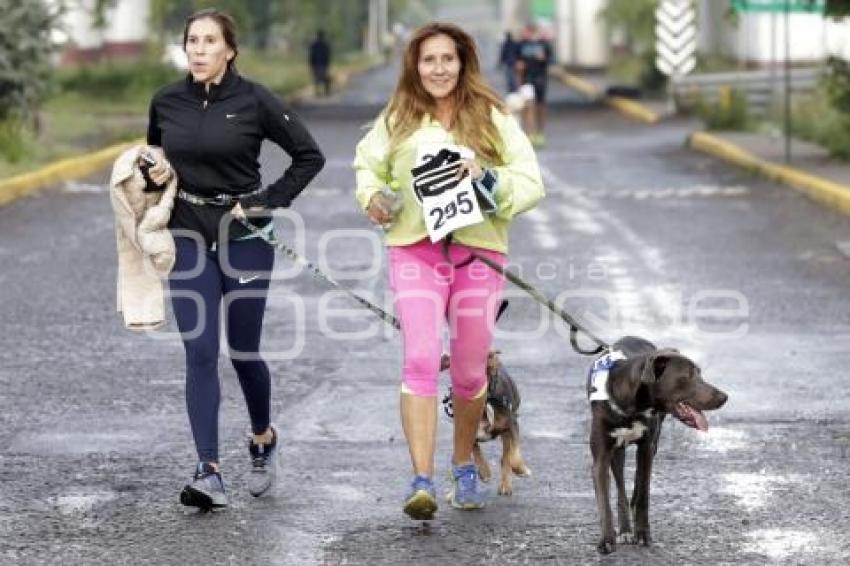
[[787, 81], [773, 62], [573, 35]]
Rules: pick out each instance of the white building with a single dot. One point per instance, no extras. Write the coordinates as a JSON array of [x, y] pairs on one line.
[[757, 39], [125, 33]]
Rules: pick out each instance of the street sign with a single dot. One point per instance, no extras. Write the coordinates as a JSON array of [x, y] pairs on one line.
[[675, 37], [811, 6]]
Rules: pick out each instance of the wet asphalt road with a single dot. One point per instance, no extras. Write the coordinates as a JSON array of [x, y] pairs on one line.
[[637, 235], [95, 445]]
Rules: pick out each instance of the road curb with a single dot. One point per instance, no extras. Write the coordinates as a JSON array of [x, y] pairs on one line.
[[64, 170], [626, 106], [824, 191]]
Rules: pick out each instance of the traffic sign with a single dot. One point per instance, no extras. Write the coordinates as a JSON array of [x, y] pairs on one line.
[[675, 37], [811, 6]]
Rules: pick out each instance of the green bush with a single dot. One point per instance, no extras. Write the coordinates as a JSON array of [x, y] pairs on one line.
[[730, 112], [117, 80], [13, 145], [633, 61], [837, 84], [816, 119]]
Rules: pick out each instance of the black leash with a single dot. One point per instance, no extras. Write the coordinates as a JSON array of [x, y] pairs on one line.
[[574, 325], [318, 273]]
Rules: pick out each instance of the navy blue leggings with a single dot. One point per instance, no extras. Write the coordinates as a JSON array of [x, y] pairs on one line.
[[199, 281]]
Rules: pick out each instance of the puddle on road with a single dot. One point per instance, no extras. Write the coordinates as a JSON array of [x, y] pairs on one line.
[[779, 544], [344, 492], [719, 439], [547, 434], [77, 187], [753, 490], [78, 503], [79, 442]]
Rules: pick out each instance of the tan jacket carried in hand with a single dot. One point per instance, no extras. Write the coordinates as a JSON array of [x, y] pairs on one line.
[[145, 245]]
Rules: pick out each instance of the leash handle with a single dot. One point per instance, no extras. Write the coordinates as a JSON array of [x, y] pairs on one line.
[[319, 274]]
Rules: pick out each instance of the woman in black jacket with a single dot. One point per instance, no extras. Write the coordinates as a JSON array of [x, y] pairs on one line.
[[208, 129]]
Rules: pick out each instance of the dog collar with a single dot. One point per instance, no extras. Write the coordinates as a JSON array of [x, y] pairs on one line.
[[598, 379]]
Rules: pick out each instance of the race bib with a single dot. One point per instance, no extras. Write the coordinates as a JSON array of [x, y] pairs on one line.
[[448, 203]]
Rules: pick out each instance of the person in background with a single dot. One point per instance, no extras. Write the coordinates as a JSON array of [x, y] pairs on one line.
[[207, 129], [441, 98], [319, 60], [534, 55], [507, 61]]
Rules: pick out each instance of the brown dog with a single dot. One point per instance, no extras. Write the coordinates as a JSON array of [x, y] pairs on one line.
[[631, 390], [498, 420]]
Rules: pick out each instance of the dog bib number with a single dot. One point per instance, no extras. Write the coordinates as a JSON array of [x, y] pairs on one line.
[[448, 204]]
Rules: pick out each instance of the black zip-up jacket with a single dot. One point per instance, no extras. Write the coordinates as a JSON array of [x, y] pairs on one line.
[[212, 140]]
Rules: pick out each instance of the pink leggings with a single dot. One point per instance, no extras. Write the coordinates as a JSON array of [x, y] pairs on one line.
[[428, 291]]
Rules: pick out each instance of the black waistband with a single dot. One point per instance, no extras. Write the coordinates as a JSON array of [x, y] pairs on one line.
[[221, 199]]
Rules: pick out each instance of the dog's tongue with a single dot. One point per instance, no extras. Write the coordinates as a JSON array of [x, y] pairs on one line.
[[697, 417]]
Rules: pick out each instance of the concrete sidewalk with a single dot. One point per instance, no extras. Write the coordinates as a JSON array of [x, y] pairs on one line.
[[811, 170]]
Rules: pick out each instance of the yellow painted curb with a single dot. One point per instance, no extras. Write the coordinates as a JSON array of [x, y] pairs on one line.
[[626, 106], [835, 195], [577, 83], [64, 170], [633, 109]]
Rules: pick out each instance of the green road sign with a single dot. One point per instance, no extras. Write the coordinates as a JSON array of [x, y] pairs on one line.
[[543, 9], [810, 6]]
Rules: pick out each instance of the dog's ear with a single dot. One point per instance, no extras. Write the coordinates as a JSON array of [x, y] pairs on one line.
[[493, 361], [655, 365]]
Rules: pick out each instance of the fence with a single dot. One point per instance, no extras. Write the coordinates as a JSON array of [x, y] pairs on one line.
[[761, 88]]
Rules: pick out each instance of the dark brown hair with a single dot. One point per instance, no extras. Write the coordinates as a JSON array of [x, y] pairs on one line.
[[224, 21], [474, 100]]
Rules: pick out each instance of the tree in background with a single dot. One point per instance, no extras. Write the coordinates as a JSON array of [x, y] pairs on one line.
[[169, 16], [633, 22], [837, 8], [25, 70], [290, 24], [838, 77]]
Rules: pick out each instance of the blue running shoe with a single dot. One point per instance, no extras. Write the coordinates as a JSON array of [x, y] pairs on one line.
[[264, 466], [206, 490], [421, 503], [465, 493]]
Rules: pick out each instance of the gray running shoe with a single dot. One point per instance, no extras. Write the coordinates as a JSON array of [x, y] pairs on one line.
[[465, 492], [264, 466], [206, 490]]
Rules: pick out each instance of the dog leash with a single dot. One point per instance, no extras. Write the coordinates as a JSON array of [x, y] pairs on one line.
[[575, 326], [318, 273]]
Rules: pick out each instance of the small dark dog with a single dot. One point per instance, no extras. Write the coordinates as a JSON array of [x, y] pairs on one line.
[[631, 390], [498, 420]]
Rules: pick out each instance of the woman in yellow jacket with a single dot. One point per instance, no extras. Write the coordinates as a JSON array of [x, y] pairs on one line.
[[455, 160]]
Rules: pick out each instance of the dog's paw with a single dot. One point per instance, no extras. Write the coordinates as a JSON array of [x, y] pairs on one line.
[[485, 475], [506, 489], [605, 547], [626, 538], [642, 538], [522, 471]]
